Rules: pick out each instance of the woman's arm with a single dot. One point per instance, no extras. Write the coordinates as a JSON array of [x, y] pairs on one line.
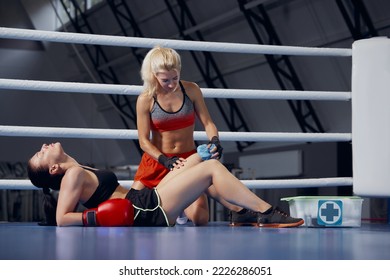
[[143, 126], [201, 110], [69, 196], [205, 118]]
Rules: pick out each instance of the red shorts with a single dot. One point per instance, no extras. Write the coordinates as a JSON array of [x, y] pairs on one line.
[[150, 172]]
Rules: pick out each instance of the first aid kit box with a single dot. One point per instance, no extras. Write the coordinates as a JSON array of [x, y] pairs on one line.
[[326, 211]]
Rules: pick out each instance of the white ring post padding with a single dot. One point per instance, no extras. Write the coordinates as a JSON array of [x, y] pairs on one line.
[[73, 87], [7, 184], [371, 117], [122, 41], [126, 134]]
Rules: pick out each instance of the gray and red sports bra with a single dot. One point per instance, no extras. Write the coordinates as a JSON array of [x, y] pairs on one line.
[[161, 120]]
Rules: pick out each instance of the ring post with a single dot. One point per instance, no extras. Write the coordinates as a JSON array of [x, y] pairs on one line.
[[371, 117]]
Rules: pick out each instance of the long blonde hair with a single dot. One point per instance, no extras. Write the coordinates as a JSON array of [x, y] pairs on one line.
[[158, 59]]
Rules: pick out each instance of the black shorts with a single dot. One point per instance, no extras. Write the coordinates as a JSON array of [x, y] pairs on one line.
[[147, 208]]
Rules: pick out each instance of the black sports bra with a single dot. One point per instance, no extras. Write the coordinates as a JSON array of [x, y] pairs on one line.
[[108, 182]]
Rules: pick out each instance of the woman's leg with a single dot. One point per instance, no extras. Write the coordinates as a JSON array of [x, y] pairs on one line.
[[212, 192], [181, 189], [188, 163], [198, 211]]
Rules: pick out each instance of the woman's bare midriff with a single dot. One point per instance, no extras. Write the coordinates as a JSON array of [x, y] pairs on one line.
[[120, 192], [174, 142]]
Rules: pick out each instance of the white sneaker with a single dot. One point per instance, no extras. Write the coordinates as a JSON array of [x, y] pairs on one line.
[[182, 219]]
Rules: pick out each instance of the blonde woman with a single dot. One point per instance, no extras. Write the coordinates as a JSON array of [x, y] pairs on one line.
[[166, 110]]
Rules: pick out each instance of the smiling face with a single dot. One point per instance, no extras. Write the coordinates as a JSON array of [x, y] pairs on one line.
[[168, 80]]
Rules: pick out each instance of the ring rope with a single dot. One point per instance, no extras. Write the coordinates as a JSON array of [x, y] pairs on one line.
[[22, 184], [126, 134], [94, 88], [66, 37], [122, 41]]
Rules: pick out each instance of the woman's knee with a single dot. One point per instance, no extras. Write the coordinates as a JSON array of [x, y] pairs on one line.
[[199, 217], [213, 164], [198, 211]]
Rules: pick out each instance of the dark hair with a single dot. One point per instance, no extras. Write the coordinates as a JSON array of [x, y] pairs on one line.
[[41, 178]]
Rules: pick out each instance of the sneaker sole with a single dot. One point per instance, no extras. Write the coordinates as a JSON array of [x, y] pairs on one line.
[[297, 224], [243, 224]]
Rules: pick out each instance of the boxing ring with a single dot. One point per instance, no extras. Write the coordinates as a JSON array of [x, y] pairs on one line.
[[370, 139]]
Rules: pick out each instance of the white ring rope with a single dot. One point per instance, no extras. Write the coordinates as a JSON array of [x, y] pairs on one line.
[[73, 87], [22, 184], [127, 134], [93, 39], [121, 41]]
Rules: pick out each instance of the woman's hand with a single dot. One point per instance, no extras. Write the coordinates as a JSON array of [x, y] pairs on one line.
[[217, 150], [171, 162]]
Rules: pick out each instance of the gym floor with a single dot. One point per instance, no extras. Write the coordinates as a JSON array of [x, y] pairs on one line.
[[217, 241]]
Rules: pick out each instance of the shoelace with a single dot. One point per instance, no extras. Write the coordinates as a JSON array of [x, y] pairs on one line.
[[276, 209], [280, 212]]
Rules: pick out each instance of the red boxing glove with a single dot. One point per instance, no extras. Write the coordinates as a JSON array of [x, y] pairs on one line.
[[111, 213]]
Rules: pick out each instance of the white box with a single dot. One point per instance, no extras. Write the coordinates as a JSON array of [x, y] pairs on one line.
[[326, 211]]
